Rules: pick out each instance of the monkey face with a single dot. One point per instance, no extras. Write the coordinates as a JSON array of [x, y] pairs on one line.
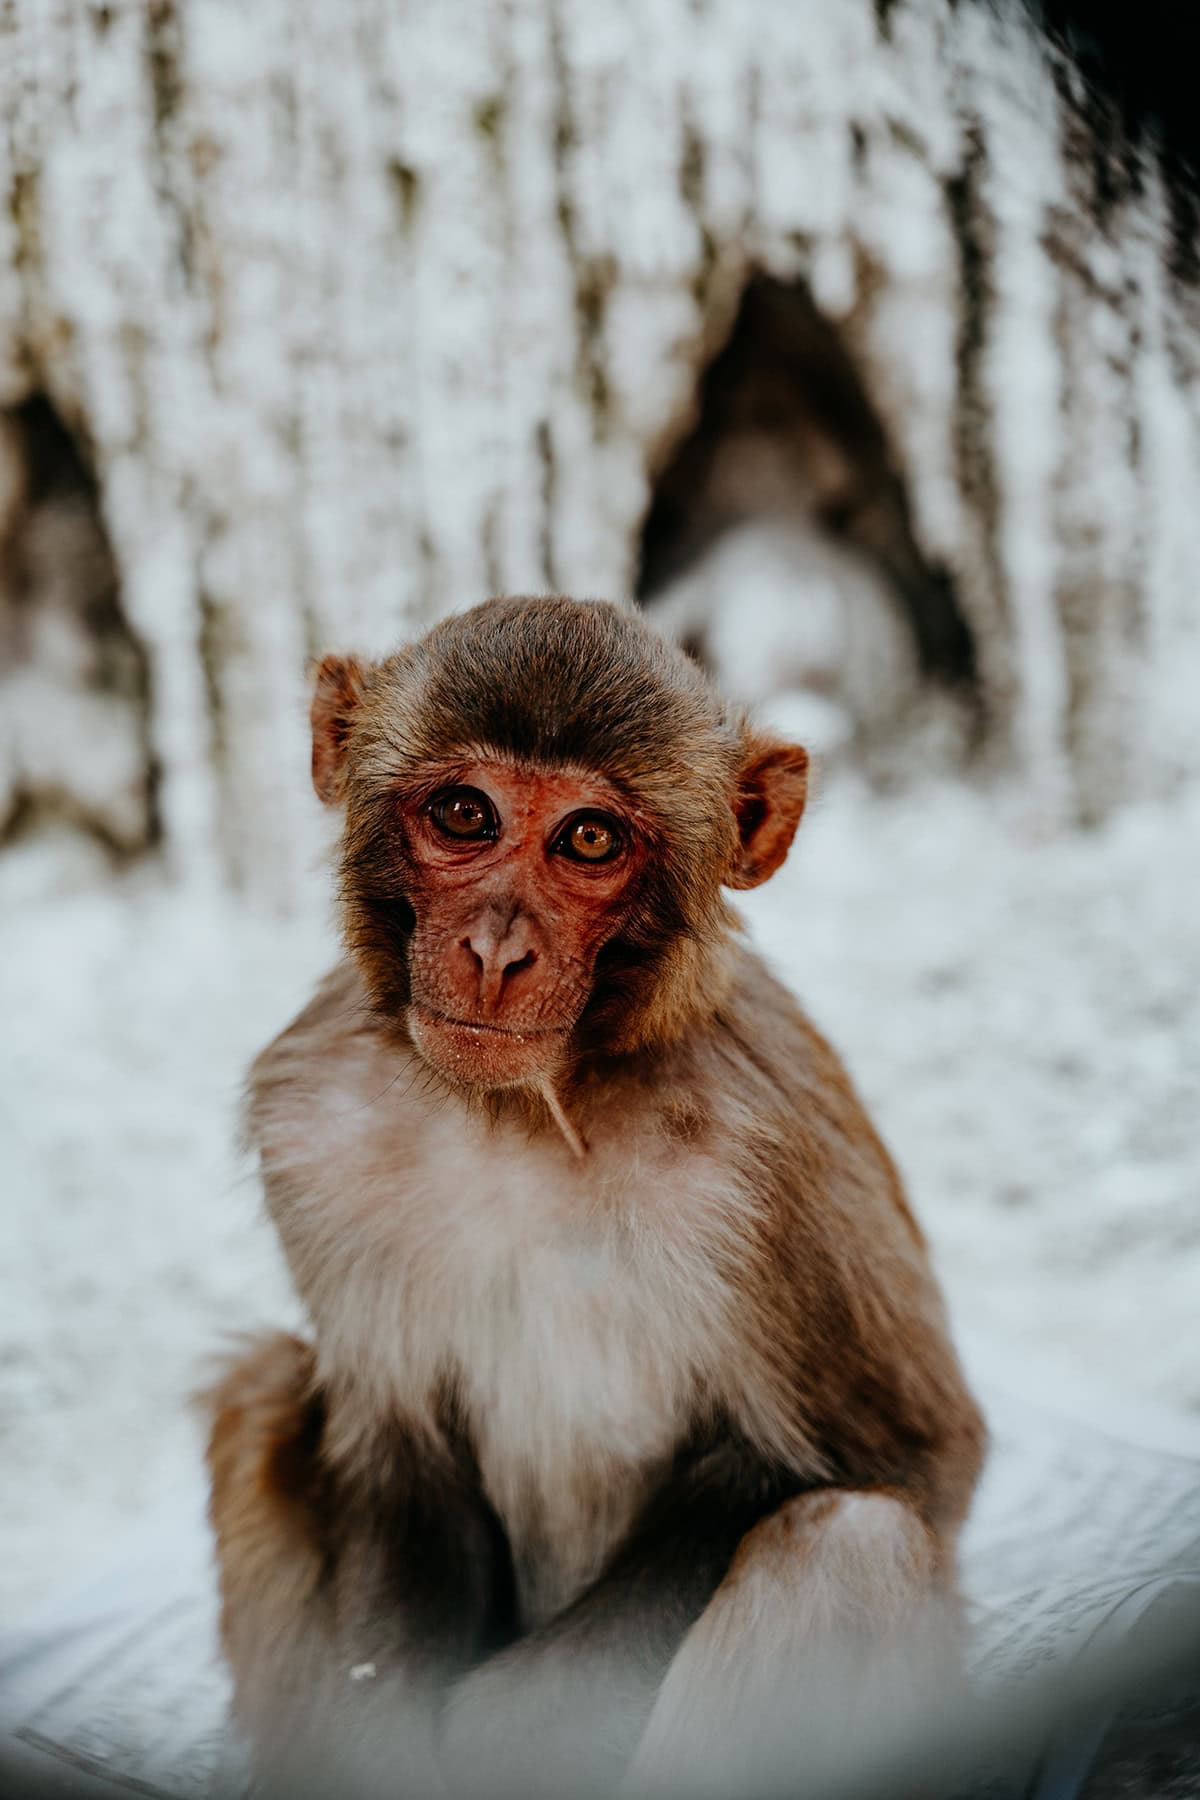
[[517, 877], [543, 801]]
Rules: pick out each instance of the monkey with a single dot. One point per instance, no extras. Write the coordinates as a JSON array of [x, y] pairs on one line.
[[629, 1410]]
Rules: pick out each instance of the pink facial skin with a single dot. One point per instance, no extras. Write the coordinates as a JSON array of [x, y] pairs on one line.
[[518, 877]]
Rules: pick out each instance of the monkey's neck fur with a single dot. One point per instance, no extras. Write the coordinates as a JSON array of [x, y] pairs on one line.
[[685, 999]]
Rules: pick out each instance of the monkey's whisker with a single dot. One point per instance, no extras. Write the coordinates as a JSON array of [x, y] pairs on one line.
[[554, 1107]]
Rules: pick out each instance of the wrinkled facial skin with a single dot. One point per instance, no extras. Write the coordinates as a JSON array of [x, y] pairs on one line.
[[517, 877]]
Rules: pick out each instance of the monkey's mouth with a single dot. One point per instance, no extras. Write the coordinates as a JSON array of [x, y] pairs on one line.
[[484, 1055]]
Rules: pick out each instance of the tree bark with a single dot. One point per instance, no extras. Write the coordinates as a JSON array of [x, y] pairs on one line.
[[359, 312]]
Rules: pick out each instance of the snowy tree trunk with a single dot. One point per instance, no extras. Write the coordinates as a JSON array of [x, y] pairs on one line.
[[358, 312]]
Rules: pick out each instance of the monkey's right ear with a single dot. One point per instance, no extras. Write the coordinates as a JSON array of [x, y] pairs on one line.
[[337, 689]]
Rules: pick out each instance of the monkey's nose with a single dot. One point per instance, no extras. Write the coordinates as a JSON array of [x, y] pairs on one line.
[[497, 959]]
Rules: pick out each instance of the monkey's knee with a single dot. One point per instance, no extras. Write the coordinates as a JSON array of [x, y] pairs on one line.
[[862, 1556], [265, 1503], [826, 1624]]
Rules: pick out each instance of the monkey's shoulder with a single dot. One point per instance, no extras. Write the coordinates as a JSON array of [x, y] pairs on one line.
[[809, 1123], [295, 1068]]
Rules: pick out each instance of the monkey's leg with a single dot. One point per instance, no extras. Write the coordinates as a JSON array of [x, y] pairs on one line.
[[561, 1710], [831, 1623], [345, 1606]]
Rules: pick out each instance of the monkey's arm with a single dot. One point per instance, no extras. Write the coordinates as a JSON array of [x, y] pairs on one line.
[[831, 1633], [563, 1708], [346, 1604]]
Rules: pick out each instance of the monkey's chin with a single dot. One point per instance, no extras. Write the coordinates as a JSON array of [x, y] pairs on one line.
[[484, 1056]]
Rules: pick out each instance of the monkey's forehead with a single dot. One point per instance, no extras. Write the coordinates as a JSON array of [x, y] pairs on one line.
[[563, 681], [468, 762]]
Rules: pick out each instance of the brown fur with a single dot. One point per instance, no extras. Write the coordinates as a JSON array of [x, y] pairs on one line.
[[267, 1495], [561, 1417]]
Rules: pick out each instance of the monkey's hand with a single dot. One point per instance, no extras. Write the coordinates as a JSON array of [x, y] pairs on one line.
[[545, 1718]]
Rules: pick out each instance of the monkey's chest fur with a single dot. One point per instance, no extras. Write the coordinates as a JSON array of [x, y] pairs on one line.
[[578, 1313]]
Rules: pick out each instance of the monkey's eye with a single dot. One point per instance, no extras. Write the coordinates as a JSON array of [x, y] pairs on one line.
[[463, 813], [590, 838]]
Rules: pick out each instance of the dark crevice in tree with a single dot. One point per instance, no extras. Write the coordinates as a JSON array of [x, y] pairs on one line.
[[692, 171], [489, 117], [162, 50], [75, 681], [971, 222], [786, 431], [1097, 145], [406, 187], [164, 56], [24, 205], [691, 166], [883, 18], [211, 646], [549, 465], [593, 276]]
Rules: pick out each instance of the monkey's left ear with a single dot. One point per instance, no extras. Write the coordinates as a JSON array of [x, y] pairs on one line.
[[772, 789], [337, 689]]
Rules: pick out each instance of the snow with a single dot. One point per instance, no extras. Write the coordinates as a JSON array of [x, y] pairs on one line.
[[1017, 1007]]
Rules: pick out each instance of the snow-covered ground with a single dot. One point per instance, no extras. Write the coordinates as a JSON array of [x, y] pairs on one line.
[[1019, 1011]]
